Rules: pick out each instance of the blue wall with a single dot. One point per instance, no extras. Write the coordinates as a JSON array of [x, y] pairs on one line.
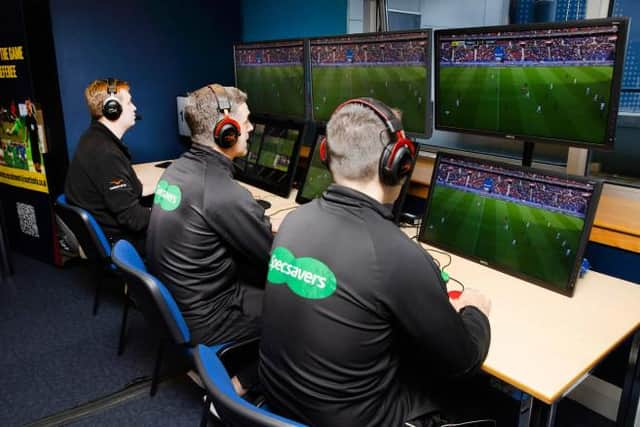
[[283, 19], [161, 51]]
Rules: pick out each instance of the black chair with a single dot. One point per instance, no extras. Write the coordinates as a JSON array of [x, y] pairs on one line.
[[232, 409], [95, 245], [154, 300]]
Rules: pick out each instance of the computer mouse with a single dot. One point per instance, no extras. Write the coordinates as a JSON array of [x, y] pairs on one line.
[[265, 205], [454, 294]]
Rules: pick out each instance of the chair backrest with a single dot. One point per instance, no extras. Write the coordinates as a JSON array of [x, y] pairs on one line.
[[86, 229], [150, 295], [233, 409]]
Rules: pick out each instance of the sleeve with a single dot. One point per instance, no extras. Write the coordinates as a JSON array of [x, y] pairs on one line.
[[242, 222], [118, 185], [457, 343]]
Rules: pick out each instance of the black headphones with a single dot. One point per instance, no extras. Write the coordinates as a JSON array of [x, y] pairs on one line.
[[398, 155], [226, 131], [111, 108]]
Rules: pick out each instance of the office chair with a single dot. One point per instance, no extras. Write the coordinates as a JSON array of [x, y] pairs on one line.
[[90, 236], [154, 300], [232, 409]]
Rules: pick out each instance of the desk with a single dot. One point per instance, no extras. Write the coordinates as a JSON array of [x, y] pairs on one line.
[[617, 221], [542, 342]]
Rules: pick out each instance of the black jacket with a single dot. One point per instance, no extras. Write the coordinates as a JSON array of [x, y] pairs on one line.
[[357, 324], [101, 180], [205, 232]]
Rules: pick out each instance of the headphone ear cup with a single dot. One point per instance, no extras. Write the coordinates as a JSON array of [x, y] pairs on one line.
[[324, 151], [111, 109], [226, 132], [396, 162]]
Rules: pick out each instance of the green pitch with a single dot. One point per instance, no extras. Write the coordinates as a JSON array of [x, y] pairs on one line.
[[402, 87], [496, 231], [277, 90], [318, 177], [553, 102], [276, 152]]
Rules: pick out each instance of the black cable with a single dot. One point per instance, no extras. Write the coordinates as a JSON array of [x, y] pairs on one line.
[[458, 282], [442, 253]]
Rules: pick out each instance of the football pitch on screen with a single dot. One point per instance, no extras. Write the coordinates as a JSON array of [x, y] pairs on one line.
[[553, 102], [276, 152], [526, 239], [277, 90], [402, 87]]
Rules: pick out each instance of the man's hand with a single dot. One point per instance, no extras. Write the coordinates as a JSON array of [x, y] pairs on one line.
[[474, 298]]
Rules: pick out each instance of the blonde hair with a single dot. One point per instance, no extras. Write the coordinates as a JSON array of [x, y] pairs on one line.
[[201, 109], [97, 92]]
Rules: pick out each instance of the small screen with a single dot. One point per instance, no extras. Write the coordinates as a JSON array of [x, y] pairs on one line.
[[271, 156], [551, 83], [318, 177], [272, 75], [527, 222], [391, 67]]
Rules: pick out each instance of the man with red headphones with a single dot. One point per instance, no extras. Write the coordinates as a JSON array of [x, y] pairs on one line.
[[208, 239], [357, 327], [100, 178]]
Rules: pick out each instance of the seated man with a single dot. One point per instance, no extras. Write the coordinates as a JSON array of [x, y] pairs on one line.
[[207, 234], [100, 178], [358, 329]]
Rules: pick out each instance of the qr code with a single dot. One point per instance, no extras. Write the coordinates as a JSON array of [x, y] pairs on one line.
[[27, 217]]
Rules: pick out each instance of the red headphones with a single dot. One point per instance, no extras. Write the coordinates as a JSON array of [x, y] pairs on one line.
[[398, 155], [226, 130]]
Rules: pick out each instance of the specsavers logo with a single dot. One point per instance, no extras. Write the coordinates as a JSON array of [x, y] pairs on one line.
[[306, 277], [167, 196]]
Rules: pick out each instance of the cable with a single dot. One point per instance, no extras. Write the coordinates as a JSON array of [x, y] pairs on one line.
[[458, 282], [282, 210], [442, 253]]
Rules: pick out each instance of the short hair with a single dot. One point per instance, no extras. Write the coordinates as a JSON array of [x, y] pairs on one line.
[[201, 109], [97, 92], [356, 136]]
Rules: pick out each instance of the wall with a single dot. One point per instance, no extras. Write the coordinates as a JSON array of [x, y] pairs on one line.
[[162, 51], [282, 19]]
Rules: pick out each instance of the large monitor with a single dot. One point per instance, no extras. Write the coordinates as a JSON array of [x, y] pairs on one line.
[[272, 75], [272, 156], [553, 82], [393, 67], [525, 222]]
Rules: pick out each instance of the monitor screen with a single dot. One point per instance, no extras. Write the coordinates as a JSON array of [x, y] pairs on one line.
[[522, 221], [272, 75], [317, 178], [391, 67], [272, 155], [555, 82]]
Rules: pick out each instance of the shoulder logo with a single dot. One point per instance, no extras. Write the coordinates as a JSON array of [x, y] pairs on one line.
[[167, 196], [306, 277], [117, 183]]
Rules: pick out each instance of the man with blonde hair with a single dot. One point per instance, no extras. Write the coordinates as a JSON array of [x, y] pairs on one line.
[[208, 239], [100, 178], [374, 332]]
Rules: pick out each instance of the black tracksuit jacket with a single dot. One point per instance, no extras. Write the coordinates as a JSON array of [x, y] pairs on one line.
[[357, 325], [101, 180], [206, 238]]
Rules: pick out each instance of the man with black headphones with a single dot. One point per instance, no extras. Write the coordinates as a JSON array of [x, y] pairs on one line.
[[357, 326], [100, 178], [208, 239]]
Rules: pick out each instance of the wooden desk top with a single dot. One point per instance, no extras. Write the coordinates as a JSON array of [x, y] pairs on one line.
[[617, 221], [542, 342]]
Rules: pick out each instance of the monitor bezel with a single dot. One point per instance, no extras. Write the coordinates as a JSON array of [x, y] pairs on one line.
[[283, 188], [428, 65], [616, 81], [320, 129], [271, 43], [584, 238]]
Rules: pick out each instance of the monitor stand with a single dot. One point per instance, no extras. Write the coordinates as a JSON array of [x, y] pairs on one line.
[[527, 153]]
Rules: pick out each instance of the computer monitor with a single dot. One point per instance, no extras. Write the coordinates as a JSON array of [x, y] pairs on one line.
[[272, 156], [393, 67], [272, 75], [317, 177], [529, 223], [554, 82]]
